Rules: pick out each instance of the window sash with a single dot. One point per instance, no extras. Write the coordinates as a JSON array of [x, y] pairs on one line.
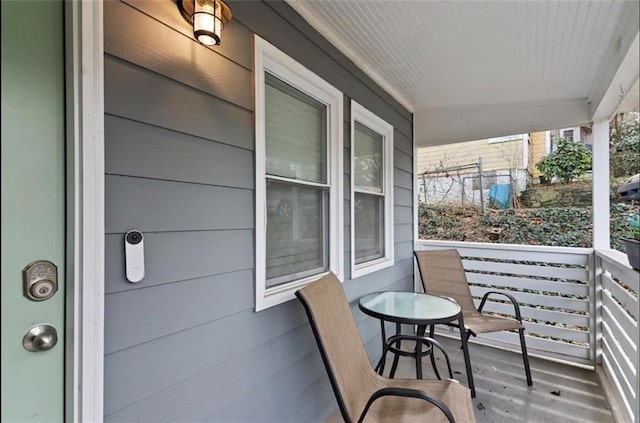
[[379, 232], [384, 257], [269, 59], [362, 136], [297, 223], [288, 109]]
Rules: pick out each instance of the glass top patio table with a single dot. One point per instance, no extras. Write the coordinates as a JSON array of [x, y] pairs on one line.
[[409, 307], [413, 308]]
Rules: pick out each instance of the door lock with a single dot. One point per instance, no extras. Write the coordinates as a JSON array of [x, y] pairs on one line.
[[40, 280]]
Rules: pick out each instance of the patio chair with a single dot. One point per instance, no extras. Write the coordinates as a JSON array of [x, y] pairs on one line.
[[442, 273], [361, 393]]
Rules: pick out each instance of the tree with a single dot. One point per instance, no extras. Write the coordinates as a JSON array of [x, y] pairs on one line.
[[571, 160], [624, 151]]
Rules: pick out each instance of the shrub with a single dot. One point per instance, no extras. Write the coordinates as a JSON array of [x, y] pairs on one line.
[[633, 220], [571, 160]]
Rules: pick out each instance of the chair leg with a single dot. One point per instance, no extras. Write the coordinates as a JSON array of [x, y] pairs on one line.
[[468, 334], [525, 358], [464, 335]]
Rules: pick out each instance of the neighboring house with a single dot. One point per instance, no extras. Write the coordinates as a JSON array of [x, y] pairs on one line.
[[505, 160], [450, 173], [545, 142]]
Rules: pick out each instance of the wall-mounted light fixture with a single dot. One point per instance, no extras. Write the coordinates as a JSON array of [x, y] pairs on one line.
[[208, 18]]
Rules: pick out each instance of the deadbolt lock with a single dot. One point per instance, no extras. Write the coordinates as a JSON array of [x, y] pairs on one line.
[[40, 280]]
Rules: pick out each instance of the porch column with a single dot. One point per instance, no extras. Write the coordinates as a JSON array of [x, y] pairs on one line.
[[601, 227]]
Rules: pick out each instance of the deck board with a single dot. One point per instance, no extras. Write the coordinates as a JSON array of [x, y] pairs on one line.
[[503, 395]]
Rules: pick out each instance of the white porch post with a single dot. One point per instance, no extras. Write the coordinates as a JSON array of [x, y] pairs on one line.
[[601, 228]]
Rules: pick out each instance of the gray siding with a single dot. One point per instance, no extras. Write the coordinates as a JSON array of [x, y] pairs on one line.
[[185, 344]]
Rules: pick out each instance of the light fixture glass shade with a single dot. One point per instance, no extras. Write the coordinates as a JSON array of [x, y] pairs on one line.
[[207, 22]]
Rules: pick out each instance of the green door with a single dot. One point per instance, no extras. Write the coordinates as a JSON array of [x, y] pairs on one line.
[[33, 206]]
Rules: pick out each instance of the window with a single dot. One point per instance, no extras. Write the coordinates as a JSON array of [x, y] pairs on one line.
[[568, 134], [299, 193], [371, 192], [572, 134]]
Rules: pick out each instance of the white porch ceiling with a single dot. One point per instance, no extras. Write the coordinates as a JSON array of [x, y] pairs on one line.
[[454, 58]]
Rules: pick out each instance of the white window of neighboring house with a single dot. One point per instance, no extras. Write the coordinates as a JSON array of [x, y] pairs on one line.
[[506, 138], [299, 192], [371, 192], [572, 134]]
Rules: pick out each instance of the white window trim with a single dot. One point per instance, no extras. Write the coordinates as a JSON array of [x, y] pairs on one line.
[[576, 133], [365, 117], [507, 138], [547, 142], [269, 58], [525, 151]]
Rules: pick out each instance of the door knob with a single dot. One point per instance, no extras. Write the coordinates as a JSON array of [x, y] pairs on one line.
[[41, 337]]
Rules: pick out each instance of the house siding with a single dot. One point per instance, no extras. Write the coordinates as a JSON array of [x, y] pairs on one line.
[[495, 156], [538, 151], [185, 344], [502, 163]]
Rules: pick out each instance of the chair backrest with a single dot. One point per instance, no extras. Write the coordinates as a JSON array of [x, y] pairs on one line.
[[442, 273], [345, 358]]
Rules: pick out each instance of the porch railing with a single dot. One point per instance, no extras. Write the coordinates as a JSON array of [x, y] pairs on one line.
[[618, 329], [578, 305], [553, 286]]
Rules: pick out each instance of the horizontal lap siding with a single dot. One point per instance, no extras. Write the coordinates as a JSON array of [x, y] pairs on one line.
[[184, 344]]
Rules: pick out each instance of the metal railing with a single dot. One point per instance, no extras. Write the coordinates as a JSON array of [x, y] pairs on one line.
[[578, 305], [618, 329]]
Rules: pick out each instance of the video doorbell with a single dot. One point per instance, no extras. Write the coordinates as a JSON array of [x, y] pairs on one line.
[[134, 255]]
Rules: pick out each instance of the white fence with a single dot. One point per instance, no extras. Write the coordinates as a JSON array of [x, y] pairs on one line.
[[578, 305], [619, 309]]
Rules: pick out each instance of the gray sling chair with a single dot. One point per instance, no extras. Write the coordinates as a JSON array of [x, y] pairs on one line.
[[443, 274], [361, 393]]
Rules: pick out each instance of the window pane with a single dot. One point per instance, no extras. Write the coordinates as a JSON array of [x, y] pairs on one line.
[[568, 134], [296, 132], [297, 232], [369, 227], [367, 160]]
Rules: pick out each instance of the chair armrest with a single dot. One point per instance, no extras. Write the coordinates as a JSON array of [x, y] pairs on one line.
[[410, 393], [516, 306]]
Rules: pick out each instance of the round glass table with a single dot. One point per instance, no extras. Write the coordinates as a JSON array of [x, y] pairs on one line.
[[411, 308]]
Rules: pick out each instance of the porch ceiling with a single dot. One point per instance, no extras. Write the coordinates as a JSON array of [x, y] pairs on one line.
[[521, 65]]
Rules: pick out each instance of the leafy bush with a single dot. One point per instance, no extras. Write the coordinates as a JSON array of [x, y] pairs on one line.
[[633, 220], [571, 160], [624, 132], [556, 226]]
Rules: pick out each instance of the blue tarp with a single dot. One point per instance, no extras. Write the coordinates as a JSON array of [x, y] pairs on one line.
[[500, 196]]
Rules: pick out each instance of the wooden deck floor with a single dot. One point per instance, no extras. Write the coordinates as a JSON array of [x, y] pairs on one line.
[[502, 392]]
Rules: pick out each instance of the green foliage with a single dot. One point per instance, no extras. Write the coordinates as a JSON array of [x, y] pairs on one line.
[[571, 160], [624, 134], [633, 220], [556, 226]]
